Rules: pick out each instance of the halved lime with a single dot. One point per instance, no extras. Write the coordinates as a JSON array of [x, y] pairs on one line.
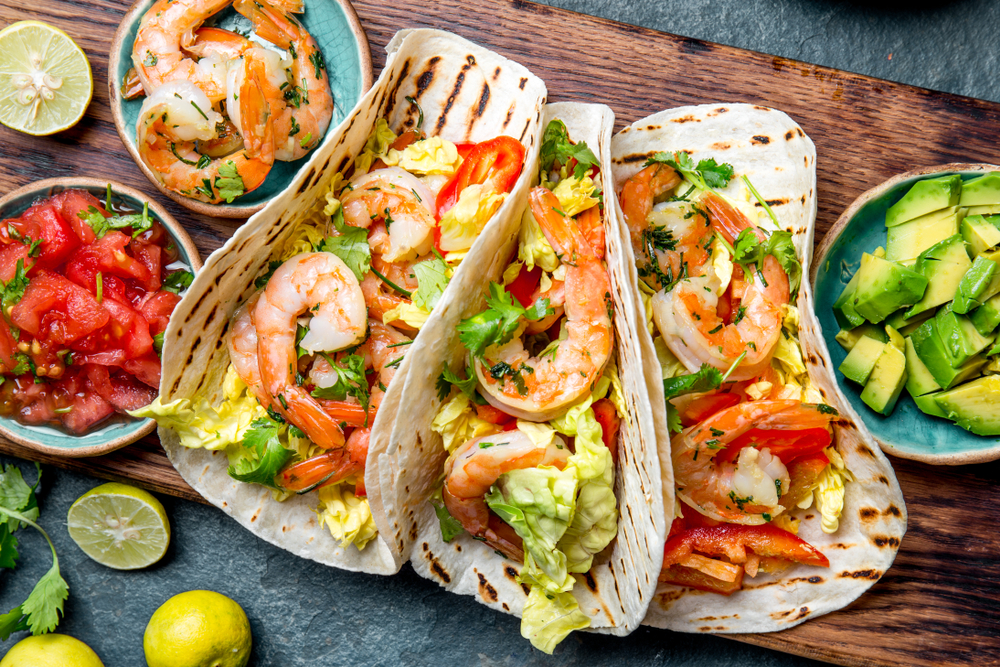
[[119, 526], [45, 80]]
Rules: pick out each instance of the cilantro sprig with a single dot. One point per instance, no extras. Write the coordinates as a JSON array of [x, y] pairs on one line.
[[41, 610], [351, 381], [12, 291], [350, 244], [432, 280], [178, 281], [264, 455], [557, 147], [704, 379], [706, 174], [496, 325], [229, 183], [101, 225], [450, 378]]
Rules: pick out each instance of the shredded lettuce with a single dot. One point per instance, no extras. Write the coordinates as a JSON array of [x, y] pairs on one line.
[[533, 248], [548, 619], [346, 516], [377, 146], [428, 156], [462, 223], [456, 422], [575, 195], [828, 493], [410, 313]]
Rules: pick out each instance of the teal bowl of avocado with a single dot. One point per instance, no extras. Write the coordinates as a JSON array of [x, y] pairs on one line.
[[908, 296]]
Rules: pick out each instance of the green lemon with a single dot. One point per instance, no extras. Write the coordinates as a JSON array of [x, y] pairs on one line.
[[119, 526], [51, 651], [45, 79], [198, 629]]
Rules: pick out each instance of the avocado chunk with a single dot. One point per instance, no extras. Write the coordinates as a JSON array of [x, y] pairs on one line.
[[986, 318], [924, 197], [928, 405], [943, 265], [884, 287], [980, 191], [905, 242], [980, 233], [919, 380], [886, 381], [860, 361], [974, 285], [959, 335], [973, 405], [843, 307], [989, 209], [994, 350], [931, 351], [848, 338], [900, 320]]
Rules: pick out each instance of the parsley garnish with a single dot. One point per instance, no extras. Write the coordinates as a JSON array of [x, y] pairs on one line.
[[229, 182], [557, 147], [707, 174], [496, 325], [351, 245]]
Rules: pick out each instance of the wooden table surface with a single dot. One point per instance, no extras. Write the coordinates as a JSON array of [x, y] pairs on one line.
[[940, 602]]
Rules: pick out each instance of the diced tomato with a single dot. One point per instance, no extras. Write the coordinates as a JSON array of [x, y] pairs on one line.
[[525, 285], [125, 336], [703, 407], [156, 308], [71, 204], [785, 444], [607, 416], [145, 369], [8, 346], [58, 240], [106, 256], [493, 415], [150, 256], [497, 161], [119, 389], [58, 311], [9, 256], [70, 402], [732, 541], [804, 472], [86, 412], [692, 578]]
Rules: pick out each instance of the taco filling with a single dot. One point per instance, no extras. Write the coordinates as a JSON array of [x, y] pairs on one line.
[[313, 351], [752, 439], [531, 423]]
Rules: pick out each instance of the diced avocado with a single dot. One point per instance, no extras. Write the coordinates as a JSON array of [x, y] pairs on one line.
[[973, 285], [943, 264], [981, 234], [930, 349], [860, 361], [994, 350], [843, 307], [879, 252], [928, 405], [919, 380], [959, 335], [905, 242], [925, 196], [895, 338], [989, 209], [900, 321], [886, 381], [973, 405], [884, 287], [980, 191], [986, 318], [848, 338]]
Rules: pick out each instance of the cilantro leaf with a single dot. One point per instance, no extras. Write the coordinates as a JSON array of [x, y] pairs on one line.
[[13, 290], [11, 622], [41, 610], [8, 547], [749, 252], [449, 378], [158, 343], [496, 325], [432, 280], [351, 381], [538, 310], [450, 527], [177, 282], [351, 245], [229, 183], [558, 147], [674, 421], [266, 454], [706, 379], [707, 174], [262, 279], [137, 222]]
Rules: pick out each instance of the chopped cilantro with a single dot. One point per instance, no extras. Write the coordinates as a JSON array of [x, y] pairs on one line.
[[177, 281], [350, 245], [316, 58], [262, 279], [466, 385], [139, 223], [229, 182], [496, 325], [13, 290], [707, 174], [558, 147], [265, 454]]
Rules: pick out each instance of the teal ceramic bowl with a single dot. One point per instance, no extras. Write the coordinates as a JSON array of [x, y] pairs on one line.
[[118, 433], [907, 433], [335, 27]]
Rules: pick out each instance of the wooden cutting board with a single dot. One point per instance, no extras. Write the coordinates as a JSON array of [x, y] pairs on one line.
[[940, 602]]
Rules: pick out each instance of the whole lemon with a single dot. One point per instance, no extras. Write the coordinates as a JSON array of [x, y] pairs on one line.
[[51, 651], [198, 629]]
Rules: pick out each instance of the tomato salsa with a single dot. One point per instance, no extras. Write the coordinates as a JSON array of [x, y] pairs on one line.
[[86, 293]]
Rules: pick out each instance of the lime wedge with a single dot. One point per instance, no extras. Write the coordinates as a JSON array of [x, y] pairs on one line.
[[45, 80], [119, 526]]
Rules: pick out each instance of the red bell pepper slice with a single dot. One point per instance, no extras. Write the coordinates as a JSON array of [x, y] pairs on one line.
[[497, 161], [703, 407], [733, 540], [607, 416], [525, 285], [692, 578], [493, 415]]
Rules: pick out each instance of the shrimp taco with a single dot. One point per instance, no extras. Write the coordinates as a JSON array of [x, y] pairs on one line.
[[526, 430], [788, 509], [291, 348]]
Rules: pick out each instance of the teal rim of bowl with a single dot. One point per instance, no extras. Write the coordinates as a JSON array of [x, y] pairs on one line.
[[328, 23], [908, 432], [48, 436]]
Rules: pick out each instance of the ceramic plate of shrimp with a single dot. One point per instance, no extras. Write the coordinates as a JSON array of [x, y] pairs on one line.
[[220, 102]]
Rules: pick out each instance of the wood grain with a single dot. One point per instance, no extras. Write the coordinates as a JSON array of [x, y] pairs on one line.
[[940, 602]]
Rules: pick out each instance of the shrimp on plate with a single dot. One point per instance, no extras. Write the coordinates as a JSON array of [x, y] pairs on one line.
[[734, 465], [477, 465], [553, 382]]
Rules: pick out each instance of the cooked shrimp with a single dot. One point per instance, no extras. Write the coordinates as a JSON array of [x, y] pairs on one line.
[[539, 388], [688, 316], [478, 464], [398, 199], [330, 467], [319, 284], [177, 115], [243, 349], [744, 491], [301, 102], [556, 294], [387, 348], [165, 30], [639, 192]]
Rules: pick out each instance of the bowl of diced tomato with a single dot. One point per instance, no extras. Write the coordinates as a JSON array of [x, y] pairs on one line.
[[90, 272]]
